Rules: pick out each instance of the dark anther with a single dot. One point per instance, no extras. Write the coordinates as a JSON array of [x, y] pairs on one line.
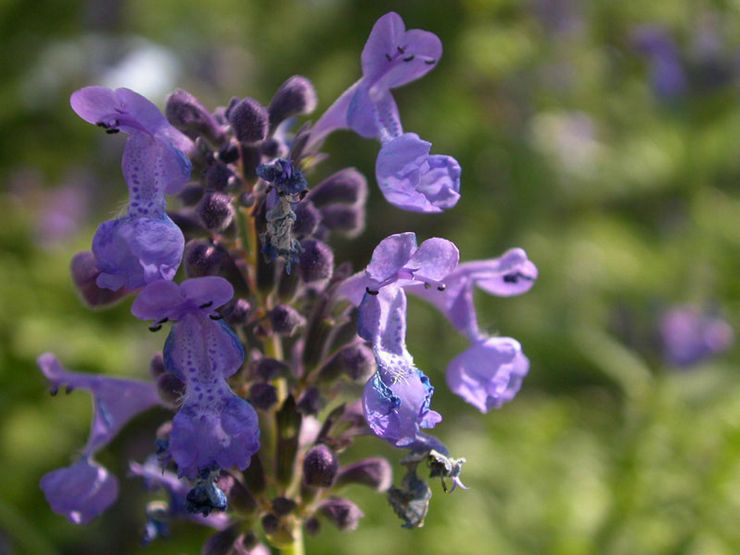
[[68, 389], [388, 57], [53, 391], [408, 58], [401, 49], [430, 62], [371, 292], [112, 131], [303, 194], [515, 277], [206, 305], [441, 287], [157, 325], [216, 317], [427, 285]]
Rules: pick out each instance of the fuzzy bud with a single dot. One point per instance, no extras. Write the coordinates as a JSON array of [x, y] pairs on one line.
[[347, 186], [219, 177], [313, 526], [237, 312], [263, 396], [310, 402], [201, 258], [269, 368], [356, 361], [373, 472], [307, 219], [344, 514], [191, 194], [347, 219], [286, 320], [187, 114], [320, 467], [296, 96], [316, 261], [84, 274], [171, 389], [249, 119], [156, 366], [282, 506], [215, 211]]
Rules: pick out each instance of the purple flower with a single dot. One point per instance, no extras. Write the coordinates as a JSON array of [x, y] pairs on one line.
[[145, 245], [214, 427], [408, 176], [691, 336], [397, 399], [84, 490], [81, 491], [667, 76], [127, 111], [411, 179], [397, 258], [489, 374]]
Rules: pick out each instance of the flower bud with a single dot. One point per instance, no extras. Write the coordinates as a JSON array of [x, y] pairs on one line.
[[347, 219], [347, 186], [313, 526], [263, 396], [269, 368], [206, 497], [373, 472], [282, 506], [307, 219], [215, 211], [286, 320], [187, 114], [310, 402], [320, 466], [219, 177], [239, 497], [344, 514], [171, 389], [249, 121], [270, 523], [356, 361], [316, 261], [273, 148], [156, 366], [84, 274], [296, 96], [237, 312], [221, 543], [229, 153], [202, 258]]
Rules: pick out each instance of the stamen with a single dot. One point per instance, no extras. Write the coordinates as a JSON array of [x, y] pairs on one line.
[[401, 49], [409, 58], [371, 292], [389, 57], [430, 62], [158, 325], [441, 287], [206, 305], [216, 316], [427, 285]]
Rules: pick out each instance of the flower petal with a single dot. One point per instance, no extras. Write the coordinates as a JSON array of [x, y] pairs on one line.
[[434, 260], [390, 256]]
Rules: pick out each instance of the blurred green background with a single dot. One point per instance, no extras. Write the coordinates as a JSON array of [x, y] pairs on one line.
[[626, 199]]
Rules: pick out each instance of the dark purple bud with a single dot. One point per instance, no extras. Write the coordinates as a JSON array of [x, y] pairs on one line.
[[269, 368], [215, 211], [191, 194], [356, 361], [296, 96], [373, 472], [221, 543], [245, 543], [270, 523], [311, 402], [313, 526], [273, 148], [219, 177], [348, 219], [202, 258], [156, 366], [286, 320], [320, 467], [229, 154], [263, 396], [84, 274], [282, 506], [347, 186], [226, 112], [237, 312], [249, 120], [187, 220], [187, 114], [316, 261], [307, 219], [171, 389], [344, 514], [246, 200]]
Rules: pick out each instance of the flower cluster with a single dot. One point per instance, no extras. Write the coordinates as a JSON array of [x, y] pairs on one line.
[[277, 357]]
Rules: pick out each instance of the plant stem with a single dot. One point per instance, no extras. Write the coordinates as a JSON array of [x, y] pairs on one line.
[[297, 547]]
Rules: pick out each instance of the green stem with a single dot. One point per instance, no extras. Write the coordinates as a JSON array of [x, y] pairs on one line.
[[296, 548]]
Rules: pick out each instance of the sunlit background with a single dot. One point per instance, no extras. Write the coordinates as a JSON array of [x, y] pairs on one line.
[[603, 137]]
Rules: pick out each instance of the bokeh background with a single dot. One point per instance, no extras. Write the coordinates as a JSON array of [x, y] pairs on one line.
[[614, 162]]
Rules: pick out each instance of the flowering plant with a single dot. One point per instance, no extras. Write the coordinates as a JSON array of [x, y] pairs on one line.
[[276, 356]]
